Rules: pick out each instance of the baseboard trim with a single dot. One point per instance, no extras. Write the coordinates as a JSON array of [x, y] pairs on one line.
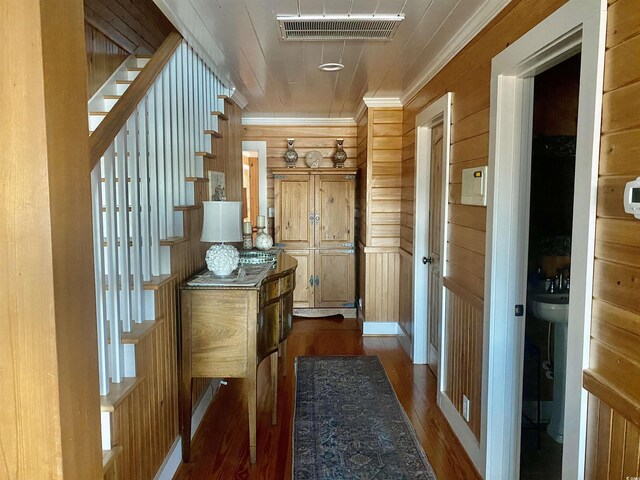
[[380, 328], [174, 458]]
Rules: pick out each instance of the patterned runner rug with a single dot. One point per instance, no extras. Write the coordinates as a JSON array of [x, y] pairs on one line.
[[349, 424]]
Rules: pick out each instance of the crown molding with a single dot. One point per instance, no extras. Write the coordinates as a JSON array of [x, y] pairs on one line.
[[470, 29], [360, 110], [301, 122], [390, 102], [237, 97]]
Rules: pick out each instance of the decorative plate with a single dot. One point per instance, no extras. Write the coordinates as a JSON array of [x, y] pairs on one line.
[[313, 159]]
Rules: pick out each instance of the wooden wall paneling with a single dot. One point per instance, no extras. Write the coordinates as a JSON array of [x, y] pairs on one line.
[[614, 365], [138, 26], [307, 138], [619, 153], [50, 417], [467, 77], [621, 67], [104, 56]]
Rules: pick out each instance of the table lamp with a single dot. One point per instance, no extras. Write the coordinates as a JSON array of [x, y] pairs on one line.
[[222, 223]]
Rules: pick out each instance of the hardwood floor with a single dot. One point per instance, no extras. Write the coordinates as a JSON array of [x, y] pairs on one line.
[[220, 449]]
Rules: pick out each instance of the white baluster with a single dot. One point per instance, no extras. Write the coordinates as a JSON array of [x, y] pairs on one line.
[[116, 350], [182, 123], [154, 202], [178, 123], [99, 272], [134, 219], [145, 220], [167, 114], [124, 266], [175, 152], [161, 156]]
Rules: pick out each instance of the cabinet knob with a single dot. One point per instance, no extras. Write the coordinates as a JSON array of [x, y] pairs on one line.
[[317, 280], [317, 219], [426, 260], [311, 217], [311, 281]]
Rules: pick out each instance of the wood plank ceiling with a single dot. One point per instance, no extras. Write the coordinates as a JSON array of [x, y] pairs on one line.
[[281, 78]]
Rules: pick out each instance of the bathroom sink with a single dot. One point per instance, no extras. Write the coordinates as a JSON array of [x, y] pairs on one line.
[[552, 307]]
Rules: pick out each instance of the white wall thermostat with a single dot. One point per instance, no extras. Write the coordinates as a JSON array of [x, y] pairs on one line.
[[632, 198], [474, 186]]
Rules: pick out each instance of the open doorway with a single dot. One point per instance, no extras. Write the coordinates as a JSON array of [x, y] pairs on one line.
[[250, 189], [552, 176], [576, 27]]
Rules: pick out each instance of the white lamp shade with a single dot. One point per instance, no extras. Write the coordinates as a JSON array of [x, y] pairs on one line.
[[222, 222]]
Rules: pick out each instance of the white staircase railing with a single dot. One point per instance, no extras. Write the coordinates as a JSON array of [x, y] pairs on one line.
[[138, 181]]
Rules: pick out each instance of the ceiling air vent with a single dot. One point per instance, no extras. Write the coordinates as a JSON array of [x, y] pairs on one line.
[[339, 27]]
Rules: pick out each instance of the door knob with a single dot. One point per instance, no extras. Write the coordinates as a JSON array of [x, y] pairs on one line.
[[426, 260]]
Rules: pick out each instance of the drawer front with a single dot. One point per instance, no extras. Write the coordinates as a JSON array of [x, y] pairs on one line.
[[269, 291], [268, 330], [287, 284], [286, 315]]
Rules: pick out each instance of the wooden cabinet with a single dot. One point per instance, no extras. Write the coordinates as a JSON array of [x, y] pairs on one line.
[[314, 223], [226, 331]]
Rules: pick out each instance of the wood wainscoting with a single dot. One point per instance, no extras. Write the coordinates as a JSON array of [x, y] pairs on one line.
[[381, 287], [612, 444], [464, 328]]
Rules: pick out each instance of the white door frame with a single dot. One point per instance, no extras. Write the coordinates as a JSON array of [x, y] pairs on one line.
[[436, 113], [260, 147], [579, 25]]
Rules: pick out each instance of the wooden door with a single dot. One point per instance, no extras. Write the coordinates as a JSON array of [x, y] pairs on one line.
[[295, 217], [334, 279], [334, 209], [303, 295], [434, 242]]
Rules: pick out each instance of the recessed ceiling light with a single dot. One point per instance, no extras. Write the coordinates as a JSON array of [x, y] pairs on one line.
[[331, 67]]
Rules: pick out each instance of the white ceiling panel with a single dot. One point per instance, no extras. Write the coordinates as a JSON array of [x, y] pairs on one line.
[[281, 78]]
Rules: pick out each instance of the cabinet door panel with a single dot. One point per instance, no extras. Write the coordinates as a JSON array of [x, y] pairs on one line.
[[304, 292], [335, 211], [334, 278], [294, 223]]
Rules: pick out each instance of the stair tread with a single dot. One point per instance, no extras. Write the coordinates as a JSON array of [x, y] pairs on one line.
[[135, 69], [185, 208], [213, 133], [206, 155], [227, 99], [112, 97], [108, 456], [138, 331], [171, 241], [98, 113], [142, 55], [124, 82], [220, 115], [196, 179], [118, 392], [158, 281]]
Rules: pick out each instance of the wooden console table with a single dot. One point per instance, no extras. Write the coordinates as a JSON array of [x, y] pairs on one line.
[[226, 331]]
